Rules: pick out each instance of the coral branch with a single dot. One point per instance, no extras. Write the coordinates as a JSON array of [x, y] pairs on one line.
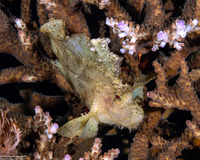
[[9, 135], [74, 20]]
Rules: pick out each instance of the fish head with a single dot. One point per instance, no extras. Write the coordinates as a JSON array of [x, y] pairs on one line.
[[125, 111]]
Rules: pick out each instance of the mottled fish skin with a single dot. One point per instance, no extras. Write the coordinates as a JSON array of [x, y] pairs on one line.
[[93, 71]]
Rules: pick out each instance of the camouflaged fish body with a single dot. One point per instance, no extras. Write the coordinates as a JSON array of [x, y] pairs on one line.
[[93, 73]]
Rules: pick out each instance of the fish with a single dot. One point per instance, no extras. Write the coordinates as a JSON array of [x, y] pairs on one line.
[[93, 72]]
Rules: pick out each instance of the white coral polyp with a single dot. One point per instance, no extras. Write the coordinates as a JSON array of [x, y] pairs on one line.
[[20, 24]]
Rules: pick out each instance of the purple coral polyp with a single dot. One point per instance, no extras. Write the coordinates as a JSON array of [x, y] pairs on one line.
[[54, 128], [195, 22], [37, 109], [163, 43], [181, 23], [162, 35], [67, 157], [122, 26]]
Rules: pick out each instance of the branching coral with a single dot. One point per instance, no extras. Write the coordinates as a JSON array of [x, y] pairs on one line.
[[74, 19], [10, 135], [139, 32], [186, 98], [95, 153], [182, 97]]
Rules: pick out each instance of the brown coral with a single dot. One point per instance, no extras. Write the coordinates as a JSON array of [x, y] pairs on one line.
[[177, 84], [10, 135]]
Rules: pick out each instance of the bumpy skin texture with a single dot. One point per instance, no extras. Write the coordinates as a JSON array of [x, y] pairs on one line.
[[93, 73]]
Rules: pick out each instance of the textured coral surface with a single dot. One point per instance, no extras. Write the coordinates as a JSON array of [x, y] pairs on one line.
[[157, 46]]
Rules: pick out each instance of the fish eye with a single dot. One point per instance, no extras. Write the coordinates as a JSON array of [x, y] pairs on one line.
[[117, 97]]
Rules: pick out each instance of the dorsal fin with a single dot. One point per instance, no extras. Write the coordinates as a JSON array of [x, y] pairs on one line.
[[81, 46]]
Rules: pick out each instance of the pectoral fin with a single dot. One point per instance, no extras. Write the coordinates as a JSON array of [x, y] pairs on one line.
[[74, 127], [91, 128]]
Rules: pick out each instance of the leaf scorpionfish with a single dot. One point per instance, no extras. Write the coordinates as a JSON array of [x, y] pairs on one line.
[[93, 72]]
